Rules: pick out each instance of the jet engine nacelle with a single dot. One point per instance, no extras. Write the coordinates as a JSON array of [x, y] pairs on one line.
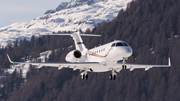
[[74, 56]]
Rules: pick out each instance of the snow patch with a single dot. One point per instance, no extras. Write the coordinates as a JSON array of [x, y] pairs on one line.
[[25, 67]]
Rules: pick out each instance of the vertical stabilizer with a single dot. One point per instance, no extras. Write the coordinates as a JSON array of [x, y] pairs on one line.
[[78, 41]]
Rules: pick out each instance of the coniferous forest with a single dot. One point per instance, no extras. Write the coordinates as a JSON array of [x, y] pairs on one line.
[[150, 27]]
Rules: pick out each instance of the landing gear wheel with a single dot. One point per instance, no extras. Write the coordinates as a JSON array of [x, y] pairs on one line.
[[124, 67], [114, 77], [110, 77], [84, 77]]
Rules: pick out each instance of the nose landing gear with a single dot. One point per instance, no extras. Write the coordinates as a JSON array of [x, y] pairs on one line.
[[124, 67], [124, 61]]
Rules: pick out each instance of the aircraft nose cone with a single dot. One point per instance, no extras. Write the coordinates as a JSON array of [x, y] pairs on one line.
[[129, 51], [124, 51]]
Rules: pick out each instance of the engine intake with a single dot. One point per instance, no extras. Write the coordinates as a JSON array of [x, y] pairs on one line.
[[74, 56], [77, 54]]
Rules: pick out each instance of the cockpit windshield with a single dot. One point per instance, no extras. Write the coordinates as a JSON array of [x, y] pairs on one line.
[[119, 44], [125, 44]]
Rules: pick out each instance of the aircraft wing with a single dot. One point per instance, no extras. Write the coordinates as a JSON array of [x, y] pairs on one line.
[[74, 66], [139, 66], [92, 66]]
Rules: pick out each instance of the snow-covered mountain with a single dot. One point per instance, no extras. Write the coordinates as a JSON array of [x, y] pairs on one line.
[[68, 16], [73, 4]]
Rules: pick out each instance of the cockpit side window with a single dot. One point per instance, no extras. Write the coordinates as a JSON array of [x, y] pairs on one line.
[[119, 44], [113, 45], [125, 44]]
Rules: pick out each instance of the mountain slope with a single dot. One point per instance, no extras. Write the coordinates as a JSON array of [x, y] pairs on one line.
[[73, 16]]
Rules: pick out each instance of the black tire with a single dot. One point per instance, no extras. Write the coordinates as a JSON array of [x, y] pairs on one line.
[[122, 66], [114, 77], [86, 77]]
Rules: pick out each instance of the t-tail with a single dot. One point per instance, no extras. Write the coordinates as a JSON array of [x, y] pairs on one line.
[[79, 44]]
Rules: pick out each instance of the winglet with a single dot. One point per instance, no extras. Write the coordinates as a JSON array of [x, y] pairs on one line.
[[169, 62], [9, 59]]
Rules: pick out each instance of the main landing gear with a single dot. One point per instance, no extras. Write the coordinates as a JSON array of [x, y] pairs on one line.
[[113, 75], [84, 75]]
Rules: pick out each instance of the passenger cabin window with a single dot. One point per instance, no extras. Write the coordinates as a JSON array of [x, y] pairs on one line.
[[119, 44]]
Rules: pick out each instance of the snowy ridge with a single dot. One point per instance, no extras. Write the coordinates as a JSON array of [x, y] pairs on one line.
[[67, 17], [72, 4]]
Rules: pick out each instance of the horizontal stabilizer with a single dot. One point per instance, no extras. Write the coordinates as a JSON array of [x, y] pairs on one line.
[[72, 34], [56, 34], [90, 35]]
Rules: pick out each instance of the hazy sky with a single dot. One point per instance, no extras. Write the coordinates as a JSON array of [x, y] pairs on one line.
[[12, 11]]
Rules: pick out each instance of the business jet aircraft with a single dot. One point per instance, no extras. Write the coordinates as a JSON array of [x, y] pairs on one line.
[[100, 59]]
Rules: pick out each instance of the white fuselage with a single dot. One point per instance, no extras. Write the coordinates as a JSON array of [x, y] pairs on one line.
[[108, 53]]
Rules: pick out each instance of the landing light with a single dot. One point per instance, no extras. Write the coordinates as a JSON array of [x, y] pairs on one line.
[[104, 64]]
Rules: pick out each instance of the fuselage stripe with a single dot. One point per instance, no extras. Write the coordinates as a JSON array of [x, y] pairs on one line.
[[96, 55]]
